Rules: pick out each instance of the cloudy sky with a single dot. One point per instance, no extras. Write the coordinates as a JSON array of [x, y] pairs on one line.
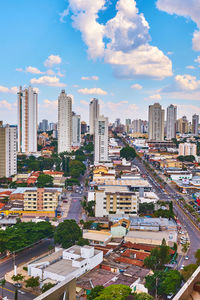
[[127, 53]]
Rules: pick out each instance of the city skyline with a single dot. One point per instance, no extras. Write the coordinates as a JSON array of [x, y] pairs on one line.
[[63, 55]]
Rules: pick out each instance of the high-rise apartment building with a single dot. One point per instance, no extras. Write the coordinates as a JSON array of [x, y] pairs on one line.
[[101, 140], [44, 125], [83, 127], [156, 122], [171, 122], [94, 114], [187, 149], [182, 125], [8, 150], [128, 125], [195, 124], [76, 130], [27, 106], [64, 122]]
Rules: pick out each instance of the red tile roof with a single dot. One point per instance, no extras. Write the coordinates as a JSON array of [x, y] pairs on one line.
[[136, 254], [130, 261]]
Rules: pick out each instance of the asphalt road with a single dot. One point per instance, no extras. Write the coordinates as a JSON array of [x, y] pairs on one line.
[[170, 194], [24, 256], [9, 291]]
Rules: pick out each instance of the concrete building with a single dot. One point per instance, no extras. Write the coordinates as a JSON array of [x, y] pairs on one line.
[[171, 121], [101, 140], [44, 125], [83, 127], [187, 149], [39, 198], [152, 237], [76, 130], [66, 263], [8, 151], [93, 114], [156, 122], [64, 122], [128, 125], [96, 237], [27, 108], [182, 125], [114, 202], [195, 124]]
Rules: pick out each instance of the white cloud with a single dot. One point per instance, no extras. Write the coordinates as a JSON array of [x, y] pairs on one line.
[[52, 60], [12, 90], [4, 104], [64, 14], [170, 53], [197, 59], [187, 82], [190, 67], [60, 74], [136, 86], [90, 78], [19, 70], [92, 91], [33, 70], [48, 80], [123, 41], [188, 9], [84, 102], [196, 40], [50, 72], [155, 97]]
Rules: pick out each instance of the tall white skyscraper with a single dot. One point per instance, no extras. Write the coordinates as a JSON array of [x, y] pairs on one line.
[[171, 121], [195, 124], [8, 150], [94, 114], [27, 106], [76, 130], [101, 140], [156, 122], [64, 122]]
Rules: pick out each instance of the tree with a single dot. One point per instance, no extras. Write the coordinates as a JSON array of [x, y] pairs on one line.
[[18, 277], [44, 180], [128, 153], [95, 292], [67, 233], [171, 282], [47, 286], [33, 282], [82, 242], [185, 247], [16, 294], [146, 208], [188, 271], [2, 284], [158, 258], [143, 296], [115, 292], [197, 256]]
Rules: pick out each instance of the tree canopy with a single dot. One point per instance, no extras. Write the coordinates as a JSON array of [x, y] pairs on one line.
[[23, 234], [128, 153], [114, 292], [67, 233], [143, 296], [44, 180]]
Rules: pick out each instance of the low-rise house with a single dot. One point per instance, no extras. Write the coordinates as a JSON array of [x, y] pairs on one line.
[[120, 228], [96, 237]]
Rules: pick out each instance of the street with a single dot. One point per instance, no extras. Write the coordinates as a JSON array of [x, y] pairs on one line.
[[171, 194]]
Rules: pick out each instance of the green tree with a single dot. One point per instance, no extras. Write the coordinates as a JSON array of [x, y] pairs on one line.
[[33, 282], [2, 284], [158, 258], [44, 180], [47, 286], [188, 271], [16, 294], [128, 153], [95, 292], [67, 233], [171, 282], [143, 296], [146, 208], [18, 277], [82, 242], [197, 256], [115, 292]]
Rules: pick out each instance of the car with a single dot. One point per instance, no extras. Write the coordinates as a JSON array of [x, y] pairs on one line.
[[186, 257], [170, 296], [17, 285], [182, 266]]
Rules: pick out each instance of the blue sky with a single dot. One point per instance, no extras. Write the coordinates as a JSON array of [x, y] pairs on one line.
[[127, 53]]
